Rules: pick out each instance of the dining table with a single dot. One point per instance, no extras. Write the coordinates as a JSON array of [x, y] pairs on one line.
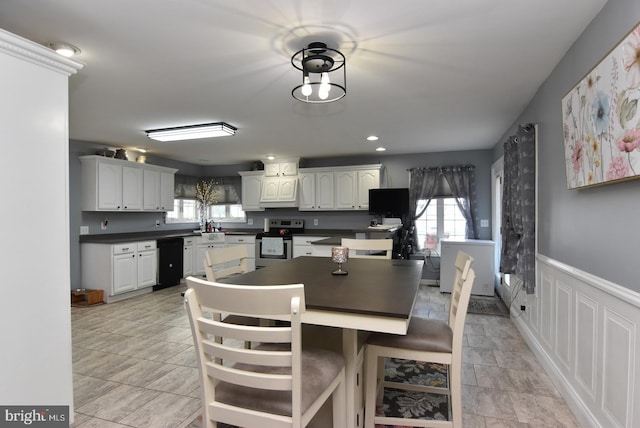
[[374, 296]]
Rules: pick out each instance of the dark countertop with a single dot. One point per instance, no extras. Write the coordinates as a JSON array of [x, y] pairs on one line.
[[113, 238]]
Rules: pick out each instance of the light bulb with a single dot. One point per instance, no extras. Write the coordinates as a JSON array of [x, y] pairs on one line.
[[306, 87], [324, 84], [322, 93]]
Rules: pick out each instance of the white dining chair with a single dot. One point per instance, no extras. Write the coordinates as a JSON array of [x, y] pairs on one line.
[[223, 262], [220, 263], [427, 340], [367, 248], [276, 384]]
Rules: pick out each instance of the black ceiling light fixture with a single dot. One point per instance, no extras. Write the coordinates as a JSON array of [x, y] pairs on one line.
[[322, 81]]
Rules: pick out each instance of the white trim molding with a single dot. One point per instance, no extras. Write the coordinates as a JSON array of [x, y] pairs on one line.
[[585, 332]]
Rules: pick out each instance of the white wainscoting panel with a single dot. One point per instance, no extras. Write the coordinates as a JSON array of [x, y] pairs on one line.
[[586, 325], [619, 334], [584, 330], [563, 334]]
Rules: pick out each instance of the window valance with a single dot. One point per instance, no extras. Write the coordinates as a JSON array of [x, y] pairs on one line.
[[225, 188]]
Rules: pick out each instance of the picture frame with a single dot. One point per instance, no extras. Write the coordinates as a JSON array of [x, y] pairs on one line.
[[601, 119]]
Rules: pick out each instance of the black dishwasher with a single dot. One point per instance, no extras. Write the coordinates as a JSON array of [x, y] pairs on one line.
[[169, 262]]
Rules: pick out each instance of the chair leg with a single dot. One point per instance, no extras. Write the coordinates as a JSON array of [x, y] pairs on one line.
[[371, 387], [455, 387], [380, 380], [339, 402]]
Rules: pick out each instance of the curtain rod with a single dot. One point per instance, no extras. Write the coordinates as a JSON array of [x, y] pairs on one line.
[[435, 168]]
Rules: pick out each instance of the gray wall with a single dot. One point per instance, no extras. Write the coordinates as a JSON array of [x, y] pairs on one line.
[[596, 229], [394, 175]]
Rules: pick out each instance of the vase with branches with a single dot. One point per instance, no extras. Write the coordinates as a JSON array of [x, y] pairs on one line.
[[206, 196]]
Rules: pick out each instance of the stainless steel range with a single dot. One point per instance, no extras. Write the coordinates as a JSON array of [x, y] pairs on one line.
[[276, 244]]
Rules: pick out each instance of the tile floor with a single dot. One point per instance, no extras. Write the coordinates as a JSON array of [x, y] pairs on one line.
[[134, 366]]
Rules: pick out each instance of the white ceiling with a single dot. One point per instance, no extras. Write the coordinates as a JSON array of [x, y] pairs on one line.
[[425, 76]]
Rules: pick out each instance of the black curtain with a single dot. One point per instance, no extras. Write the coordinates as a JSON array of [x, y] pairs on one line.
[[518, 207], [460, 180]]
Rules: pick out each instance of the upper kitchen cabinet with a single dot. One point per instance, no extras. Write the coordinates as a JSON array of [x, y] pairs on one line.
[[286, 168], [280, 183], [251, 190], [118, 185], [316, 190], [352, 186], [158, 190]]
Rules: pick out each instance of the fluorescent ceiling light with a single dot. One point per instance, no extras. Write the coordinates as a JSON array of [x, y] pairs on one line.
[[207, 130]]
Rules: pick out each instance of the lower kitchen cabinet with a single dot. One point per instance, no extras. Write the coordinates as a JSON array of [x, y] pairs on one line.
[[188, 256], [302, 246], [121, 270]]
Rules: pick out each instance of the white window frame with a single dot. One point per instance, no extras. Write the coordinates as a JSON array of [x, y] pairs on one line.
[[440, 223], [177, 215]]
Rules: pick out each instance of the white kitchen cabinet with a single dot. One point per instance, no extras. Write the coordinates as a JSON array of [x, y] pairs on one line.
[[251, 190], [307, 200], [316, 191], [282, 168], [279, 189], [121, 270], [118, 185], [147, 264], [125, 272], [109, 186], [352, 188], [249, 241], [158, 190], [167, 190], [188, 257], [346, 190], [132, 188], [151, 193], [302, 245], [321, 250], [367, 179]]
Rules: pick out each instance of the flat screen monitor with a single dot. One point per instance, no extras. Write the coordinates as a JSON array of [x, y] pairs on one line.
[[389, 202]]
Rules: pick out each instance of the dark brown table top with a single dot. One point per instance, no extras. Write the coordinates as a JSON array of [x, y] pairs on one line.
[[373, 287]]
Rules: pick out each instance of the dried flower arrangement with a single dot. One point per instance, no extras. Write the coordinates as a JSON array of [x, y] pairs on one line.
[[205, 195]]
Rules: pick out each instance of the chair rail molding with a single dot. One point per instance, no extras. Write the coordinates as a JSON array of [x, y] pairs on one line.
[[585, 332]]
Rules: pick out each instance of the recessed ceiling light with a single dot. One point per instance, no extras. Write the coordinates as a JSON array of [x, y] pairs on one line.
[[372, 138], [271, 157], [64, 49], [380, 149]]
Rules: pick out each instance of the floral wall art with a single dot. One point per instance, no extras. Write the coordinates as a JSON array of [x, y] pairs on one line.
[[601, 119]]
